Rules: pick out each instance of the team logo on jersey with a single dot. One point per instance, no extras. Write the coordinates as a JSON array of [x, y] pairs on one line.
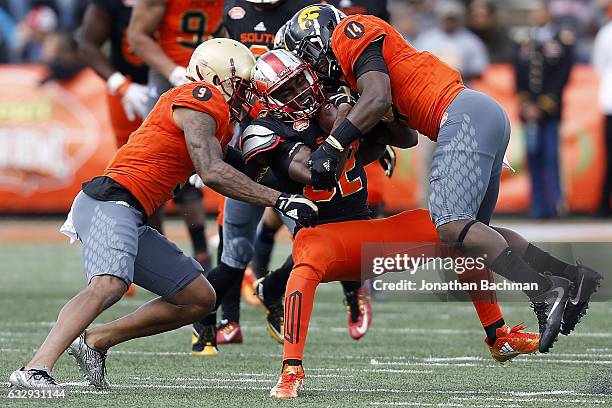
[[236, 13], [260, 27], [202, 93], [301, 125], [354, 30]]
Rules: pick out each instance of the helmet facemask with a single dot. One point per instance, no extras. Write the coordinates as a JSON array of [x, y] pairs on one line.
[[320, 57], [296, 96], [238, 94]]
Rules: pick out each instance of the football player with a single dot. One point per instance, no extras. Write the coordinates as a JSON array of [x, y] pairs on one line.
[[124, 72], [397, 82], [187, 130], [164, 33], [282, 140], [254, 23]]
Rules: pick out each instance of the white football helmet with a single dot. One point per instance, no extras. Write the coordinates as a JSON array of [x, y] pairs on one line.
[[279, 38], [226, 64], [286, 86]]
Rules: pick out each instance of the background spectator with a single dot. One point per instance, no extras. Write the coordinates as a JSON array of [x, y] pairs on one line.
[[31, 32], [543, 61], [602, 59], [453, 43], [483, 22]]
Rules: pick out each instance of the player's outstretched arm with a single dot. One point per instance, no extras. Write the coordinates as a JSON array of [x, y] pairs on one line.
[[374, 100], [146, 18], [96, 30], [207, 157]]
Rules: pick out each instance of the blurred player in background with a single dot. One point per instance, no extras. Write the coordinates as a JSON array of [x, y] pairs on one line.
[[124, 72], [164, 33], [188, 129]]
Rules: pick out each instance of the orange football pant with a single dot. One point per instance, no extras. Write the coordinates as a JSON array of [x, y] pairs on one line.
[[332, 252]]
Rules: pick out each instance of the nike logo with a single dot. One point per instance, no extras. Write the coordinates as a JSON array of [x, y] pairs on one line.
[[560, 293], [363, 327], [577, 297], [228, 336]]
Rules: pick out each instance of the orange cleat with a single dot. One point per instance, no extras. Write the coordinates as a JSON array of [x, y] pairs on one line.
[[247, 287], [229, 333], [289, 383], [131, 291], [512, 342], [359, 312]]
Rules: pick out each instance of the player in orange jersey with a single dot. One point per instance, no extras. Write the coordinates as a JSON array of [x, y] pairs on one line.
[[164, 33], [187, 130], [398, 83]]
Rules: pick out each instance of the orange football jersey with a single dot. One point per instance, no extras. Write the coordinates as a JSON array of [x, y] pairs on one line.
[[187, 24], [422, 86], [155, 159]]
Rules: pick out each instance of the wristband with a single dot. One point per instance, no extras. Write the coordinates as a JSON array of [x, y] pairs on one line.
[[345, 134], [115, 81]]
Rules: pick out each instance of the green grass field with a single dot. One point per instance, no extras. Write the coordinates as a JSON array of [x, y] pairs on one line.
[[415, 354]]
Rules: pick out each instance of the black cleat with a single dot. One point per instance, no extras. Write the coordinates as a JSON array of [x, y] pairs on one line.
[[585, 285], [274, 309], [206, 342], [549, 308]]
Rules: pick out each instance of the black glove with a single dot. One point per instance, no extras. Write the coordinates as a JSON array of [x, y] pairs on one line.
[[324, 166], [298, 208], [387, 161]]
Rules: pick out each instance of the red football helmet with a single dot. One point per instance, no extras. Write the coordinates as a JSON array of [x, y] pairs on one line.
[[287, 86]]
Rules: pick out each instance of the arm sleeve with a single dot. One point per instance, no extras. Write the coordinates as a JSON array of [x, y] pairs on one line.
[[280, 158], [371, 59]]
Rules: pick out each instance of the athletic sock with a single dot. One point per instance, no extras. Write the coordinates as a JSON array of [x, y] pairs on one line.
[[210, 319], [231, 303], [264, 244], [198, 239], [542, 262], [292, 362], [514, 268], [350, 286], [491, 330], [221, 278], [276, 281]]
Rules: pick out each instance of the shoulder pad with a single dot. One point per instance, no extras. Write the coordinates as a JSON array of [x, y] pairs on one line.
[[256, 139]]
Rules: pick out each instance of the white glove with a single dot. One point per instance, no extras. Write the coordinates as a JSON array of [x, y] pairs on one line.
[[196, 181], [134, 97], [177, 76], [135, 101]]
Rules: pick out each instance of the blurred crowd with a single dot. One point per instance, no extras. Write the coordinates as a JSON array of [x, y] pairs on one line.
[[541, 38]]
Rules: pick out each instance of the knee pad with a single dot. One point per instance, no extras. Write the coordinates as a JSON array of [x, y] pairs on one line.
[[237, 252]]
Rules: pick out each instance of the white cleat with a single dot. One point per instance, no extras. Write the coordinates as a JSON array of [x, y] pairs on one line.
[[91, 362], [33, 380]]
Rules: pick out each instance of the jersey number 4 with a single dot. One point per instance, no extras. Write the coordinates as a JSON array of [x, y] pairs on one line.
[[345, 184]]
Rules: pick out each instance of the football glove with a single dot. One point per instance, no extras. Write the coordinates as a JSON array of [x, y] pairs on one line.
[[134, 97], [388, 160], [323, 167], [196, 181], [178, 76], [298, 208]]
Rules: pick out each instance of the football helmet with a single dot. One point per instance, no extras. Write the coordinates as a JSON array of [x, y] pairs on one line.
[[226, 64], [309, 35], [287, 86], [279, 38]]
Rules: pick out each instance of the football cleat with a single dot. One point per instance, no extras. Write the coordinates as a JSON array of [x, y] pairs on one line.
[[206, 343], [289, 384], [91, 362], [247, 287], [585, 285], [274, 310], [229, 333], [359, 312], [131, 291], [33, 379], [549, 308], [512, 342]]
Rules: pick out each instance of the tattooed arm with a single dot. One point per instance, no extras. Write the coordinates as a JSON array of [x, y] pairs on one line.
[[146, 17], [207, 157]]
